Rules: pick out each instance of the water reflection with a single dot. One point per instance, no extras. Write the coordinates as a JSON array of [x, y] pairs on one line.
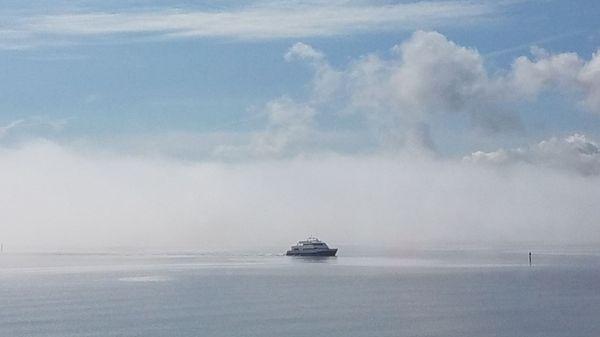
[[313, 259]]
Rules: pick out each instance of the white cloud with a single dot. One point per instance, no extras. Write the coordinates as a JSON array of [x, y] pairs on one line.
[[546, 70], [429, 77], [433, 75], [575, 153], [326, 79], [589, 80], [302, 51], [288, 124], [259, 21], [290, 127], [565, 72]]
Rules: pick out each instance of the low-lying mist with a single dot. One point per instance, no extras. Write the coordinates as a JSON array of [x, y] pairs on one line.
[[55, 198]]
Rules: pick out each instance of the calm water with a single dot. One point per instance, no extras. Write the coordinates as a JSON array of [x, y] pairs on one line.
[[426, 293]]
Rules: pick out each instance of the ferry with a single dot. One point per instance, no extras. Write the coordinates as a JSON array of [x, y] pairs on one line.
[[311, 247]]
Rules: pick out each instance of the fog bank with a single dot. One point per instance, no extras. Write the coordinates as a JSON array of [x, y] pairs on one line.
[[56, 198]]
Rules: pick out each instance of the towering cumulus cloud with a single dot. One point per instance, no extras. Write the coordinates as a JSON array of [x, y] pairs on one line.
[[428, 75], [429, 79]]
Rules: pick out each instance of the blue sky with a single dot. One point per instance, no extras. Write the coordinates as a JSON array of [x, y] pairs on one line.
[[119, 68]]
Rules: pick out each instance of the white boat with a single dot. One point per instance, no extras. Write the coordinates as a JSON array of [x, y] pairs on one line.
[[311, 247]]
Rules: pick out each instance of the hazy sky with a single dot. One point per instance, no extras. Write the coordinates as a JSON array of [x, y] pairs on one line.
[[230, 124]]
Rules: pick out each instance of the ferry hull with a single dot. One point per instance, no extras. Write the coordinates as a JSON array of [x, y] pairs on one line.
[[329, 252]]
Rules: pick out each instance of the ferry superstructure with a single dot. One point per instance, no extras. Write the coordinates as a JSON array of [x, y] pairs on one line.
[[311, 247]]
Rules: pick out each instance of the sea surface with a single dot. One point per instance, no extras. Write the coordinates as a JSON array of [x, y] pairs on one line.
[[479, 292]]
